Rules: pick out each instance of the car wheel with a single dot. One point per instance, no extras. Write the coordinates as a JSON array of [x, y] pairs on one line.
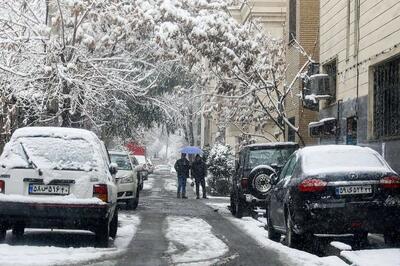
[[132, 204], [239, 207], [260, 182], [233, 205], [103, 234], [18, 230], [392, 238], [114, 225], [293, 240], [272, 234]]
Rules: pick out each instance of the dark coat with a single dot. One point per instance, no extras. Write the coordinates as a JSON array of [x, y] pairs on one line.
[[199, 170], [182, 167]]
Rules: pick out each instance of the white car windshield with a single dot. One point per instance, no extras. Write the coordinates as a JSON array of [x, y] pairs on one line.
[[51, 153], [122, 161]]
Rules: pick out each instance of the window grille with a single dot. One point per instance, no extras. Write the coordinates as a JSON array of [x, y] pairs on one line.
[[387, 100]]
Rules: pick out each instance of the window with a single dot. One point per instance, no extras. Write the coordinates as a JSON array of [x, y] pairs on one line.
[[291, 132], [292, 20], [331, 69], [289, 167], [386, 99]]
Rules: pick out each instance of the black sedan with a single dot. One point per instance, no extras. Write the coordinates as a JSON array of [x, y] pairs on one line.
[[334, 189]]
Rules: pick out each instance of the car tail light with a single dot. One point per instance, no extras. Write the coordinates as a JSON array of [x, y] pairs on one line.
[[244, 183], [100, 191], [2, 186], [312, 185], [390, 182]]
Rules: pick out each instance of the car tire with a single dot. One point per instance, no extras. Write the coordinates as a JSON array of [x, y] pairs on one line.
[[239, 207], [18, 230], [272, 234], [132, 204], [114, 224], [103, 234], [259, 178], [293, 240], [392, 238]]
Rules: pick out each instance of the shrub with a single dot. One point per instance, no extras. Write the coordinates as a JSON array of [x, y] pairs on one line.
[[220, 164]]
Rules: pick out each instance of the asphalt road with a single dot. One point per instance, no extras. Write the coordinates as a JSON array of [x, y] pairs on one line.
[[149, 245]]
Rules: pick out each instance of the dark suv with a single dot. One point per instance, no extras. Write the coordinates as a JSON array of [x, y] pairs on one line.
[[255, 166]]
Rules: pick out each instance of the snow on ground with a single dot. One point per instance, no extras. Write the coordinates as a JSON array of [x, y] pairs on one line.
[[340, 245], [256, 230], [373, 257], [148, 184], [192, 242], [171, 184], [33, 254]]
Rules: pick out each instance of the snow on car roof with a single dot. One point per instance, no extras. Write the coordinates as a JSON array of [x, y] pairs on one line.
[[118, 152], [57, 132], [271, 144], [341, 158]]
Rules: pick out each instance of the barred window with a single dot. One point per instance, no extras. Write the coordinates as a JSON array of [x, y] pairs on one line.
[[387, 99]]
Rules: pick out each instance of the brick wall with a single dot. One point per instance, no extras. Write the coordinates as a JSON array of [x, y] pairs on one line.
[[307, 34]]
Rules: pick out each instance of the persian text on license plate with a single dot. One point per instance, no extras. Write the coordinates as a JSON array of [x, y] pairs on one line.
[[352, 190], [49, 189]]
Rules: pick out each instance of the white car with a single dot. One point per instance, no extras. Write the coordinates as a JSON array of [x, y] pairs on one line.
[[57, 178], [163, 170], [143, 163], [127, 179]]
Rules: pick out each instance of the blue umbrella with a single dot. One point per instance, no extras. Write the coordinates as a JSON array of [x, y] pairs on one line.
[[191, 150]]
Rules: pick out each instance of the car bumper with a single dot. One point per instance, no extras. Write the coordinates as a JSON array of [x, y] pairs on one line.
[[62, 216], [126, 191], [343, 218]]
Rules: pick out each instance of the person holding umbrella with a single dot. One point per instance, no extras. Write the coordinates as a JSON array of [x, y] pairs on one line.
[[182, 167], [199, 173]]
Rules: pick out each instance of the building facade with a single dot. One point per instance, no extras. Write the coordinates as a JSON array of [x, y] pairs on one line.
[[302, 24], [271, 14], [360, 52]]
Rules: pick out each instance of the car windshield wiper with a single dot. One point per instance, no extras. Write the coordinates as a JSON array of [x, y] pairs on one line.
[[28, 158]]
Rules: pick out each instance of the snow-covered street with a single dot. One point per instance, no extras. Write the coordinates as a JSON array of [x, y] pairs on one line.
[[63, 247]]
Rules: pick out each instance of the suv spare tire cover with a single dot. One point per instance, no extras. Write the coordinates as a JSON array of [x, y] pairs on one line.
[[259, 180]]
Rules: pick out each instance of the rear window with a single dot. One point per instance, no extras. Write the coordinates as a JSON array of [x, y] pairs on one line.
[[277, 156], [122, 161], [328, 161]]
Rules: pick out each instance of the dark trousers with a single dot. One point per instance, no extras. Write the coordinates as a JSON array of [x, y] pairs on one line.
[[202, 182], [182, 184]]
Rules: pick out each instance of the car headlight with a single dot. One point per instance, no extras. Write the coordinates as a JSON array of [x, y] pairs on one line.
[[126, 179]]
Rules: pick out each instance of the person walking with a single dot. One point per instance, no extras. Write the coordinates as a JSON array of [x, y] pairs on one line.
[[182, 167], [199, 173]]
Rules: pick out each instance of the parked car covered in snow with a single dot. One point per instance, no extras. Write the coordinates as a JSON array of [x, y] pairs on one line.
[[144, 167], [255, 166], [139, 170], [163, 169], [334, 189], [127, 179], [57, 178]]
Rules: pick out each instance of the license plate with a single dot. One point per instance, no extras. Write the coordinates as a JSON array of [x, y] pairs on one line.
[[49, 189], [353, 190]]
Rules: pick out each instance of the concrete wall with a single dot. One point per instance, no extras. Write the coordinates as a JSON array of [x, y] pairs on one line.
[[379, 40]]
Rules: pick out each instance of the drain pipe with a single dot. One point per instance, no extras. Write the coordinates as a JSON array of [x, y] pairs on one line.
[[338, 127]]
